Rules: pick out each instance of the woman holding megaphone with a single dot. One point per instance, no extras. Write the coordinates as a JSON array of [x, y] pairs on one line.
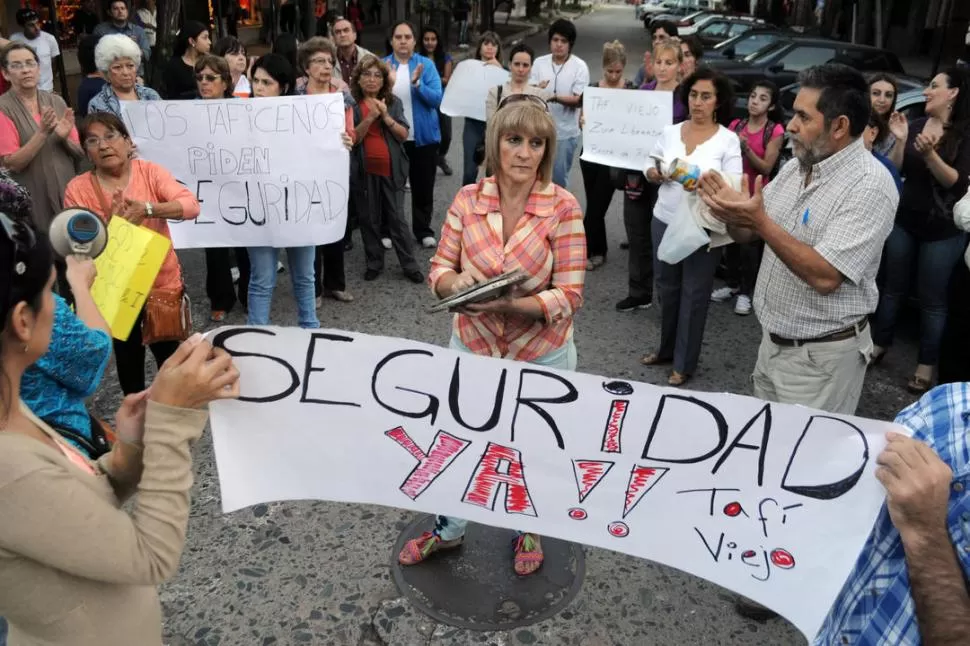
[[145, 194], [77, 568]]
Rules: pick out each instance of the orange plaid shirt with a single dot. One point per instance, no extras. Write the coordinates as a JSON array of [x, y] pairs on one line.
[[548, 243]]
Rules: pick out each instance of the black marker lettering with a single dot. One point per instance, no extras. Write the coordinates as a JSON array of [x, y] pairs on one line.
[[219, 341], [719, 421], [433, 403], [309, 368], [762, 447], [453, 403], [569, 396]]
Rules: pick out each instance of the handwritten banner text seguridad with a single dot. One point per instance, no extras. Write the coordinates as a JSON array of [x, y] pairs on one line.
[[771, 501], [267, 172]]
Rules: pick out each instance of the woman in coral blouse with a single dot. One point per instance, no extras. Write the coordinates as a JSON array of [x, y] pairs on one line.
[[143, 193], [516, 220]]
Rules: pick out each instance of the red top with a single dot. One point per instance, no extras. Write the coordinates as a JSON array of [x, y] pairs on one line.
[[377, 157]]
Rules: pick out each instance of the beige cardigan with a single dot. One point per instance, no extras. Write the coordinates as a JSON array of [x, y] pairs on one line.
[[77, 569]]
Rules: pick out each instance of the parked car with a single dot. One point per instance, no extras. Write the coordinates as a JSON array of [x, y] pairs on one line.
[[910, 101], [717, 30], [692, 20], [745, 44], [677, 10], [649, 7], [789, 55]]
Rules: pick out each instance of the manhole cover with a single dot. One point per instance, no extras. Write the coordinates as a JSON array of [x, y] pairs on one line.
[[475, 586]]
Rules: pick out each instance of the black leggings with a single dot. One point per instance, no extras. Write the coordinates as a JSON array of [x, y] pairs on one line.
[[130, 358]]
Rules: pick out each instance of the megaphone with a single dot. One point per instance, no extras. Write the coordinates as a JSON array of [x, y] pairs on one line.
[[78, 231]]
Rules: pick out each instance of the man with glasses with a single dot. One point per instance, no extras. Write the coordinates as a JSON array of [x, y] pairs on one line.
[[566, 76], [119, 24], [43, 43], [348, 51]]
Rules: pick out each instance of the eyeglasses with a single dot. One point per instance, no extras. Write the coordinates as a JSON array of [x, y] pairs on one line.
[[519, 98], [208, 78], [321, 60], [23, 240], [16, 66], [109, 138]]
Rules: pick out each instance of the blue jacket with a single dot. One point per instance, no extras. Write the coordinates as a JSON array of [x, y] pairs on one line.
[[425, 100]]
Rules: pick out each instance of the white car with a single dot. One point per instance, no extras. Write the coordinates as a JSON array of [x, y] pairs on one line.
[[651, 6]]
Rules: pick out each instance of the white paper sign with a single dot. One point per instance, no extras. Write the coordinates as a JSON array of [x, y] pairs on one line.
[[772, 501], [468, 88], [269, 172], [621, 126]]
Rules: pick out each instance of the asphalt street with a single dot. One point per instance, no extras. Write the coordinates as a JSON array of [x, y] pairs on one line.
[[319, 573]]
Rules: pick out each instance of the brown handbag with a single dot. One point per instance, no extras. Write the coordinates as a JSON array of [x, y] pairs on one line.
[[167, 313]]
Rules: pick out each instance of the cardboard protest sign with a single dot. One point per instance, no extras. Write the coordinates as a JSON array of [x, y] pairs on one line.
[[468, 88], [621, 126], [268, 172], [772, 501], [127, 269]]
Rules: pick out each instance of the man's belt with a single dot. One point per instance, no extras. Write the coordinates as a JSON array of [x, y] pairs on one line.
[[840, 335]]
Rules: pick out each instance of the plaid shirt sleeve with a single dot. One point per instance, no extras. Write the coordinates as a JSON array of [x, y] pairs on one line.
[[448, 256], [852, 240], [565, 297]]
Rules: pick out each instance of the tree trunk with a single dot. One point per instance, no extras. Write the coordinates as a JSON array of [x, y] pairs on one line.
[[169, 18]]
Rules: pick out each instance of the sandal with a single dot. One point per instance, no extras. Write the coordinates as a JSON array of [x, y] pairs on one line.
[[217, 316], [654, 359], [918, 385], [420, 548], [677, 379], [528, 554]]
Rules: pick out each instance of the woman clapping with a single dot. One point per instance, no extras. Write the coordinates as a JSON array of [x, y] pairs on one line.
[[381, 167]]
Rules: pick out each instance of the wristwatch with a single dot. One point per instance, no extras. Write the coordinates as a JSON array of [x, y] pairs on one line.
[[149, 210]]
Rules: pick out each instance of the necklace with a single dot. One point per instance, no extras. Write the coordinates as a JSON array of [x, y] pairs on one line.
[[555, 74]]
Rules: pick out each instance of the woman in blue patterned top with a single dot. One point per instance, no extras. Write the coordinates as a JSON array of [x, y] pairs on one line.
[[118, 58], [56, 386]]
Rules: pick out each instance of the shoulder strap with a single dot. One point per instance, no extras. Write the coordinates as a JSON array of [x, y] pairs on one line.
[[740, 125], [766, 135]]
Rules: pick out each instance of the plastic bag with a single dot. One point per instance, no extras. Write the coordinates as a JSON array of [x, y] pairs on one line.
[[683, 236]]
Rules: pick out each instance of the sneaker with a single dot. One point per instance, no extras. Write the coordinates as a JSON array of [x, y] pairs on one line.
[[743, 306], [235, 275], [629, 304], [339, 295], [279, 267], [725, 293], [386, 243], [429, 242], [407, 185]]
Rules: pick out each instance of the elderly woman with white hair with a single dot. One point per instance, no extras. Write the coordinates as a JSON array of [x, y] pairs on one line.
[[118, 58]]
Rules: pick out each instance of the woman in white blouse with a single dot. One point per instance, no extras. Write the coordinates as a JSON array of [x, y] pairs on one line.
[[685, 288]]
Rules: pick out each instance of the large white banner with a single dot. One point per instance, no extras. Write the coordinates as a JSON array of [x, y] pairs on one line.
[[621, 126], [772, 501], [267, 172], [468, 88]]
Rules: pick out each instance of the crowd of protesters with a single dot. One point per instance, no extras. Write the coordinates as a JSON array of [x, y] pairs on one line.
[[819, 227]]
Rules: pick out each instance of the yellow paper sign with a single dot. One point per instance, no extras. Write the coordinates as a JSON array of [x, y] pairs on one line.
[[127, 269]]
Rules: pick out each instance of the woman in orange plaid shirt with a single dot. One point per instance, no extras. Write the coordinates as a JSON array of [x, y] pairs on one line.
[[516, 220]]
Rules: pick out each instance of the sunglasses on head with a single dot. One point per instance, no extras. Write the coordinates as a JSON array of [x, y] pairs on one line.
[[519, 98], [209, 78]]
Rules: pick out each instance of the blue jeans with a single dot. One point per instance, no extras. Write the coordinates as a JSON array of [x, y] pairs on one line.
[[565, 151], [472, 135], [263, 279], [448, 528], [934, 263]]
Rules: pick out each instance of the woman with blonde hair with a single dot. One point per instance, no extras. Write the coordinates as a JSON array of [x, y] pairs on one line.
[[597, 178], [640, 196], [541, 235]]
